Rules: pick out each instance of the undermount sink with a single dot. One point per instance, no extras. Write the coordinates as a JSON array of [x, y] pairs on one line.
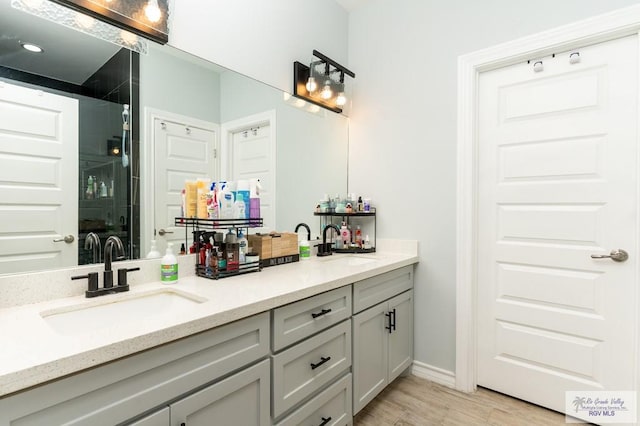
[[111, 310], [350, 260]]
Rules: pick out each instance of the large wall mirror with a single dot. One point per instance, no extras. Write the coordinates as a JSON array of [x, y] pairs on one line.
[[188, 118]]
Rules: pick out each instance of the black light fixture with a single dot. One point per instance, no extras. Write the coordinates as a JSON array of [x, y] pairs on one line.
[[146, 18], [321, 83]]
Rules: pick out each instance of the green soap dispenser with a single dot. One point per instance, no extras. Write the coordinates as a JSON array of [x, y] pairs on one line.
[[169, 267]]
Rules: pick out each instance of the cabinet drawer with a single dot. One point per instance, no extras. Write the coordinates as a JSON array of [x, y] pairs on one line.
[[123, 389], [374, 290], [306, 367], [331, 407], [299, 320]]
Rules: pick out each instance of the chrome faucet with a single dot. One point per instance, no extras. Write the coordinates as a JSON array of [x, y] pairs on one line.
[[92, 242], [108, 253], [325, 248]]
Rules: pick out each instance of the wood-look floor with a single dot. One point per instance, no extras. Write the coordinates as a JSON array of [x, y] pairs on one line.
[[414, 401]]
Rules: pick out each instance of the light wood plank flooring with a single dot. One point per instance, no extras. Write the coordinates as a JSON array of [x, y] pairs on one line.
[[414, 401]]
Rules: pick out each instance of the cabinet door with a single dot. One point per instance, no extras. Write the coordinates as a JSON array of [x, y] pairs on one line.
[[242, 399], [370, 354], [401, 338], [159, 418]]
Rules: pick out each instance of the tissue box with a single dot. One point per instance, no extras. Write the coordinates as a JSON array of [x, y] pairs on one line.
[[274, 244]]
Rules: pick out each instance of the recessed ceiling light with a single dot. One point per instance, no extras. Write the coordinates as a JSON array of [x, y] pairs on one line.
[[31, 47]]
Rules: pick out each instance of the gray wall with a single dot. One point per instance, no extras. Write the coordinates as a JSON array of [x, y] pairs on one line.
[[403, 126]]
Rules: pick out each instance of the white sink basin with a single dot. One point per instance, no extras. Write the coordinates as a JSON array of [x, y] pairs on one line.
[[349, 260], [107, 311]]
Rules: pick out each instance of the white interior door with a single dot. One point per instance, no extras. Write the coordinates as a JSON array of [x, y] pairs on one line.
[[182, 152], [252, 155], [557, 183], [38, 179]]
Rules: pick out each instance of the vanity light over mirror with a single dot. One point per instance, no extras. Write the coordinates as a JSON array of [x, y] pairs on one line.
[[188, 117]]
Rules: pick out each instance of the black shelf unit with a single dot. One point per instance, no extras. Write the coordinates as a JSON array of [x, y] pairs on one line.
[[327, 218], [197, 224]]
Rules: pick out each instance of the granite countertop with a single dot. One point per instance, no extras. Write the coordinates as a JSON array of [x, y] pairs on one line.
[[34, 353]]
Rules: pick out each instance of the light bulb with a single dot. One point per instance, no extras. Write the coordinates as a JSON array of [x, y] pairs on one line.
[[152, 10], [341, 99], [326, 90], [31, 47], [311, 85]]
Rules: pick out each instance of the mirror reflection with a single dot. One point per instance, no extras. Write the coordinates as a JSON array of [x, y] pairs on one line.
[[188, 118]]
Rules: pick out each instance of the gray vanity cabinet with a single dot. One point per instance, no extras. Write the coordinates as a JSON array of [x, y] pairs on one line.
[[382, 333], [123, 390], [161, 417], [242, 399]]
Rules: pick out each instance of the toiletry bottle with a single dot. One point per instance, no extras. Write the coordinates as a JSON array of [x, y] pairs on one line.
[[103, 190], [358, 237], [304, 249], [239, 211], [244, 245], [202, 188], [345, 235], [153, 252], [212, 202], [367, 244], [169, 267], [183, 249], [226, 203], [243, 192], [191, 198], [254, 200], [360, 206], [89, 188]]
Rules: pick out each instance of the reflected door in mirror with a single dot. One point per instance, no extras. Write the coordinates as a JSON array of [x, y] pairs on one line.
[[38, 179]]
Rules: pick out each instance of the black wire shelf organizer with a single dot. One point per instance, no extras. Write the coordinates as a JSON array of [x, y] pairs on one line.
[[366, 219], [192, 225]]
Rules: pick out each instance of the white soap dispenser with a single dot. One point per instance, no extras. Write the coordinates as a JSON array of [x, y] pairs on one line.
[[153, 253]]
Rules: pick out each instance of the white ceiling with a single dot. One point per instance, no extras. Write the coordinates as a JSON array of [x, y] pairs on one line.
[[69, 55]]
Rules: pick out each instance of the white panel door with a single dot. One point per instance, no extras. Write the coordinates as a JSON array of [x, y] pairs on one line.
[[182, 152], [38, 179], [252, 157], [557, 183]]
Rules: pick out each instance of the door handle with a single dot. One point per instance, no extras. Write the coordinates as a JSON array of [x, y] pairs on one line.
[[161, 232], [617, 255], [67, 239]]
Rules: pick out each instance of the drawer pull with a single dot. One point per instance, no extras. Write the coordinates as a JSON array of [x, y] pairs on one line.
[[321, 313], [322, 361], [325, 421]]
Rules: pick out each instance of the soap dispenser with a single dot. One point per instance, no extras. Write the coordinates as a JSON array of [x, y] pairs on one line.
[[169, 267]]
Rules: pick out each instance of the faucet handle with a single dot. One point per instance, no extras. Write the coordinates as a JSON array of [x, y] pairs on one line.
[[122, 276], [93, 280]]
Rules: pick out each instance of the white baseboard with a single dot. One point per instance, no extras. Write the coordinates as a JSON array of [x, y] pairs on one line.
[[435, 374]]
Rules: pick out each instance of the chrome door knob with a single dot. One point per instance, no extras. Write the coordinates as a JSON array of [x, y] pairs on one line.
[[617, 255], [67, 239], [161, 232]]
